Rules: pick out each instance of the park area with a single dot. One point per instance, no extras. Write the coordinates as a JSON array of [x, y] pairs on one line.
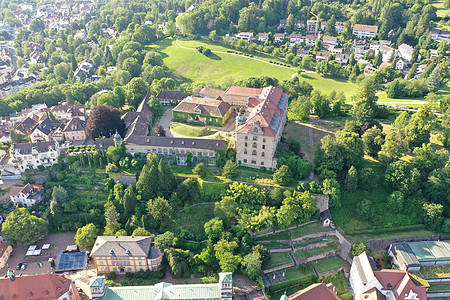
[[192, 131]]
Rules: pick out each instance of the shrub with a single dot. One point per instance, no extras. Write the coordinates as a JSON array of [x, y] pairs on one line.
[[111, 168], [111, 276]]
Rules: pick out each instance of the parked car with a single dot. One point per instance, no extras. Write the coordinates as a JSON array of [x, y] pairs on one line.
[[19, 266], [24, 266]]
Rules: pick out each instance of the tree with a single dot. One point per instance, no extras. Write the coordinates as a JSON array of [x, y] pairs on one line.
[[22, 228], [252, 264], [373, 140], [112, 219], [104, 121], [351, 180], [299, 109], [229, 170], [109, 99], [226, 210], [129, 200], [364, 210], [159, 130], [159, 208], [357, 249], [86, 235], [141, 232], [137, 88], [144, 186], [427, 159], [59, 194], [434, 80], [415, 54], [165, 240], [366, 178], [378, 59], [400, 176], [433, 215], [332, 188], [418, 129], [320, 104], [351, 146], [395, 201], [200, 170], [282, 176], [55, 208], [214, 229]]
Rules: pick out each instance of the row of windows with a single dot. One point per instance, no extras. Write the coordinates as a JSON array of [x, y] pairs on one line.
[[263, 154], [253, 162], [255, 145], [255, 138], [171, 151]]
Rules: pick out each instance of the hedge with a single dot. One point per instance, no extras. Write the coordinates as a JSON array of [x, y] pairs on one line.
[[387, 230]]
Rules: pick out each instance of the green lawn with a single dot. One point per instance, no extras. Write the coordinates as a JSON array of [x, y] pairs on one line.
[[316, 251], [436, 271], [191, 66], [330, 263], [192, 131], [439, 287], [278, 259], [441, 10], [193, 221], [308, 229], [299, 272], [276, 236], [326, 85], [276, 245]]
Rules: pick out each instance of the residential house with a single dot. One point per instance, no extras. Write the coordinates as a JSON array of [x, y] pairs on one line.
[[26, 126], [362, 31], [32, 155], [325, 218], [401, 65], [83, 70], [37, 57], [312, 27], [5, 253], [387, 52], [323, 55], [439, 35], [263, 37], [279, 37], [405, 52], [433, 53], [413, 255], [296, 39], [75, 130], [368, 282], [42, 132], [137, 122], [169, 97], [223, 290], [245, 36], [311, 40], [125, 254], [259, 128], [369, 70], [80, 34], [420, 69], [315, 291], [323, 25], [335, 49], [42, 286], [192, 7], [302, 53], [65, 112], [339, 26], [283, 23], [207, 111], [342, 58], [329, 41], [300, 24], [29, 195]]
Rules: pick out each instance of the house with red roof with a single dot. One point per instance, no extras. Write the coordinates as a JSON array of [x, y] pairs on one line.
[[259, 128], [314, 291], [368, 282]]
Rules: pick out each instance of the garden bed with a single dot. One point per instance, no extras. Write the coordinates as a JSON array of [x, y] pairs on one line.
[[278, 259], [317, 251], [436, 271]]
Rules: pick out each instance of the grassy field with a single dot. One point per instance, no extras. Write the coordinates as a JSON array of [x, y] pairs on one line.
[[299, 272], [439, 287], [326, 85], [193, 221], [189, 65], [192, 131], [308, 229], [278, 259], [330, 263], [441, 10], [316, 251]]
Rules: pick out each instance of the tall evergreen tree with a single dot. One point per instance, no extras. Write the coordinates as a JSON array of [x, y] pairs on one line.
[[129, 200], [434, 80], [351, 180], [143, 184], [112, 219], [415, 54]]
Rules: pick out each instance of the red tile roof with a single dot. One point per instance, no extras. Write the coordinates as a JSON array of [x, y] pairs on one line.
[[400, 283], [3, 247], [366, 28], [316, 291], [242, 91], [42, 287]]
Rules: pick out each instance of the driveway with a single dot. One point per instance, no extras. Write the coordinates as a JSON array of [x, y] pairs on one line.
[[59, 242], [166, 119]]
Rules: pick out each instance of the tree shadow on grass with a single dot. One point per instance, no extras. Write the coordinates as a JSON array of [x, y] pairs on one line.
[[307, 77], [214, 56]]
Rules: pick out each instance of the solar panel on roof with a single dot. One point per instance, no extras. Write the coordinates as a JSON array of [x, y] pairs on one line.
[[71, 261]]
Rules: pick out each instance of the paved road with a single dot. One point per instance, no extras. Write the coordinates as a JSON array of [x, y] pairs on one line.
[[166, 119]]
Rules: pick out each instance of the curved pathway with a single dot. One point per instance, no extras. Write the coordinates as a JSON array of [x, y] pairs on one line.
[[224, 52]]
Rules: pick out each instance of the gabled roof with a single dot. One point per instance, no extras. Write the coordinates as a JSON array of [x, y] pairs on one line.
[[112, 246], [26, 148], [313, 292], [189, 143], [45, 126], [26, 126], [172, 95], [42, 287], [366, 28], [400, 283], [203, 106], [75, 124]]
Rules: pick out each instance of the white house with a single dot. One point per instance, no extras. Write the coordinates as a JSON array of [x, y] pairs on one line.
[[311, 40], [405, 51], [32, 155], [296, 39], [263, 37], [365, 31], [84, 68], [29, 195], [400, 65], [279, 37], [368, 282], [302, 53], [339, 26], [245, 36], [440, 35]]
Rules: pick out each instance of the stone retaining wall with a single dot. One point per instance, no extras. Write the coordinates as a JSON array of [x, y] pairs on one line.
[[279, 268], [316, 257], [383, 244], [312, 246]]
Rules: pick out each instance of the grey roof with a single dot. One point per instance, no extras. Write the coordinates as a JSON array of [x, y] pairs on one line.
[[325, 214], [129, 117], [176, 142], [75, 124], [155, 253], [139, 246], [46, 126], [26, 126], [139, 127], [172, 95], [25, 148], [103, 143]]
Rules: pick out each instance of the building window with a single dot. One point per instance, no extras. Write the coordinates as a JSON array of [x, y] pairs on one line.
[[264, 146], [246, 138], [255, 138], [254, 152], [246, 144], [264, 140], [254, 162], [255, 145], [263, 154], [262, 163], [245, 151], [245, 160]]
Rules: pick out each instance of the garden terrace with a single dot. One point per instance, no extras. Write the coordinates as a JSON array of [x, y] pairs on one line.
[[330, 263], [317, 251], [278, 259], [435, 271]]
